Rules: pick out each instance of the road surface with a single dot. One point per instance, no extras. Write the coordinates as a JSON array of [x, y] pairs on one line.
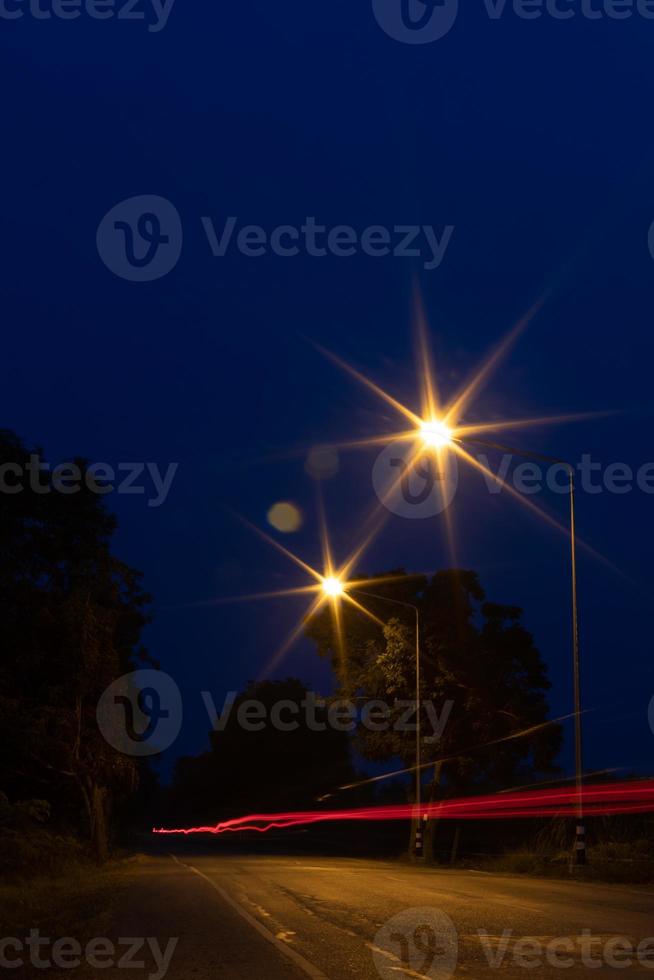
[[277, 917]]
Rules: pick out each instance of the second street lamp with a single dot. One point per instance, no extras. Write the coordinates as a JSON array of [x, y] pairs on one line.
[[334, 587]]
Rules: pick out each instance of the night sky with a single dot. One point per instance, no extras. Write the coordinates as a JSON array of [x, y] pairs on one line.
[[532, 138]]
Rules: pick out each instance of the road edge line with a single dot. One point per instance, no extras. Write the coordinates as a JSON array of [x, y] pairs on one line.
[[292, 954]]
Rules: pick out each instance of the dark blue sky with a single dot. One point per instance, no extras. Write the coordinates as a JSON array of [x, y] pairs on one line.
[[532, 138]]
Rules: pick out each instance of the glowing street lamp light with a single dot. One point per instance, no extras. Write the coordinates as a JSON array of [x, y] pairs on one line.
[[436, 434], [329, 586], [333, 587]]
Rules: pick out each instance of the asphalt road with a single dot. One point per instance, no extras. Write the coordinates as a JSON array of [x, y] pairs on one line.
[[273, 917]]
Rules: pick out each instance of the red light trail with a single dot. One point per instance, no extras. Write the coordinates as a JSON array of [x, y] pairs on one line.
[[609, 799]]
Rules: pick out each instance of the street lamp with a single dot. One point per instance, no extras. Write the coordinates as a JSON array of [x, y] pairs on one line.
[[333, 587], [436, 434], [436, 428], [580, 853]]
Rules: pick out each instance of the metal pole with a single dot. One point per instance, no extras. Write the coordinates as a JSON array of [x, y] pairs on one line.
[[580, 854], [419, 827], [580, 835]]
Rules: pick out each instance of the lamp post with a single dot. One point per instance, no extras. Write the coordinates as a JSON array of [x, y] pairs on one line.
[[580, 853], [438, 428], [419, 843]]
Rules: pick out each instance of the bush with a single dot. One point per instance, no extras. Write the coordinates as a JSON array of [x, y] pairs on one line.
[[527, 863], [619, 862], [623, 862], [29, 853]]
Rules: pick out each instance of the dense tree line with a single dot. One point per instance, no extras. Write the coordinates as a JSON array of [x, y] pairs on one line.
[[71, 616]]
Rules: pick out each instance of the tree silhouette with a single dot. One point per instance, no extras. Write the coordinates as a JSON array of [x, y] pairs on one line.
[[70, 621], [271, 769], [476, 657]]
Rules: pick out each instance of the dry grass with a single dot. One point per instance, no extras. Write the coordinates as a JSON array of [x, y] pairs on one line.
[[620, 863], [80, 901]]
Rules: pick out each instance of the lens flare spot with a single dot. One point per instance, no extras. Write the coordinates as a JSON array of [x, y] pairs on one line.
[[285, 517], [322, 463]]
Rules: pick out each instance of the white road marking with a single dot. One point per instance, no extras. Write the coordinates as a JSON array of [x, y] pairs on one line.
[[406, 970], [284, 948], [262, 911]]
